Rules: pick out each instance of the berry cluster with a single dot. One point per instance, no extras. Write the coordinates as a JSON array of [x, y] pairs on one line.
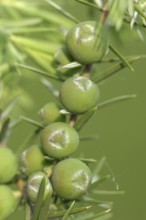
[[65, 177], [8, 169]]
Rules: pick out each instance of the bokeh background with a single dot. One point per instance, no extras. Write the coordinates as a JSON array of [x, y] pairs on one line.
[[121, 128]]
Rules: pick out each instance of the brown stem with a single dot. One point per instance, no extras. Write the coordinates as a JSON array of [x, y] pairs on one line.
[[105, 12], [87, 70], [73, 119]]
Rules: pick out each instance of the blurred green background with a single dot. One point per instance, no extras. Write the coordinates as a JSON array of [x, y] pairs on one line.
[[121, 129]]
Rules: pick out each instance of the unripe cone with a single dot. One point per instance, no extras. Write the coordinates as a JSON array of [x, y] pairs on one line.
[[59, 140], [8, 165], [32, 160], [87, 42], [79, 94], [50, 113], [8, 201], [33, 185], [71, 178]]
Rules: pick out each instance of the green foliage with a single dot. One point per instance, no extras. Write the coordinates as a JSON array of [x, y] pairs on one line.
[[8, 201], [33, 46], [9, 161]]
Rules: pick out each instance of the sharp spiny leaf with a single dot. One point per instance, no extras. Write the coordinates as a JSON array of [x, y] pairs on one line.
[[114, 69], [68, 212], [61, 213], [60, 9], [51, 88], [4, 129], [98, 202], [10, 107], [38, 71], [89, 138], [44, 209], [31, 121], [87, 160], [105, 217], [14, 123], [117, 53], [40, 199], [84, 119], [108, 192], [116, 100], [100, 179], [89, 4], [95, 216], [98, 166], [139, 11]]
